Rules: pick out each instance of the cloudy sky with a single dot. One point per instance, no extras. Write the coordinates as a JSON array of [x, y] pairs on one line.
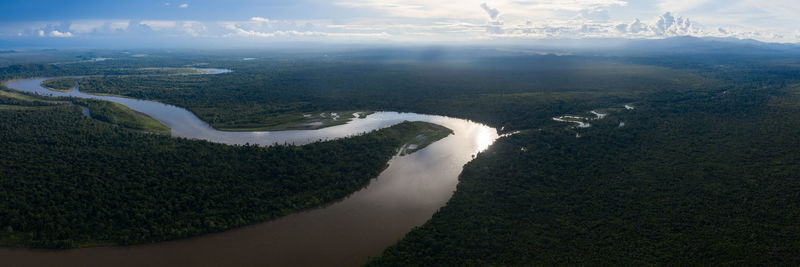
[[394, 21]]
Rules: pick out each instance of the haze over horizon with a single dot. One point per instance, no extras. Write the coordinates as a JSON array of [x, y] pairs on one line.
[[99, 24]]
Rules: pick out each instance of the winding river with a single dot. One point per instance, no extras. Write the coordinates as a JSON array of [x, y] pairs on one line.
[[344, 233]]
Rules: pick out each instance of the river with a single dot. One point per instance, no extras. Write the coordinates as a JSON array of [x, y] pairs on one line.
[[344, 233]]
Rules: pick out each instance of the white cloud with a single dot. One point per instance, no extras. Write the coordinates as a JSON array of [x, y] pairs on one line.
[[583, 24], [194, 28], [104, 26], [666, 25], [184, 5], [260, 19], [757, 15], [290, 30], [669, 25], [252, 33], [159, 24], [249, 33], [458, 21], [473, 9], [569, 5], [56, 33], [594, 15], [85, 26], [681, 5]]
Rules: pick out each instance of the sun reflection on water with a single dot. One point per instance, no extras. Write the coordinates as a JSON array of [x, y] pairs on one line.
[[484, 138]]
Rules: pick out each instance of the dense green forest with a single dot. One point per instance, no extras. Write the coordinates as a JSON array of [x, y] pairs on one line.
[[692, 178], [702, 171], [70, 181], [510, 92], [109, 112]]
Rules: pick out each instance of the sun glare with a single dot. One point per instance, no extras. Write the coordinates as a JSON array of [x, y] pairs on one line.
[[483, 139]]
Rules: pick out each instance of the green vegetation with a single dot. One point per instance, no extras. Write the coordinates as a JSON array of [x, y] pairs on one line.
[[703, 172], [68, 181], [514, 93], [150, 71], [423, 138], [693, 178], [17, 107], [296, 121], [61, 84], [14, 98], [118, 114], [109, 112]]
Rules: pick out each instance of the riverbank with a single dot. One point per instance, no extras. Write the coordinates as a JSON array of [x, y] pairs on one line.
[[120, 210]]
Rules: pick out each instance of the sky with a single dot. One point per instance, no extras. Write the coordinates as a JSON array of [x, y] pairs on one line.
[[390, 21]]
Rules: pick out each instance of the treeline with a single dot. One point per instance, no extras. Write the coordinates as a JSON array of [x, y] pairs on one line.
[[69, 181], [692, 178], [116, 67]]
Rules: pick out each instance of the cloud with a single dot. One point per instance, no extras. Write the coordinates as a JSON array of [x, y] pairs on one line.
[[567, 5], [260, 19], [97, 26], [594, 14], [56, 33], [251, 33], [669, 25], [681, 5], [42, 29], [430, 21], [637, 27], [194, 28], [159, 24], [666, 25], [493, 12], [495, 27], [474, 9], [184, 5], [303, 30]]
